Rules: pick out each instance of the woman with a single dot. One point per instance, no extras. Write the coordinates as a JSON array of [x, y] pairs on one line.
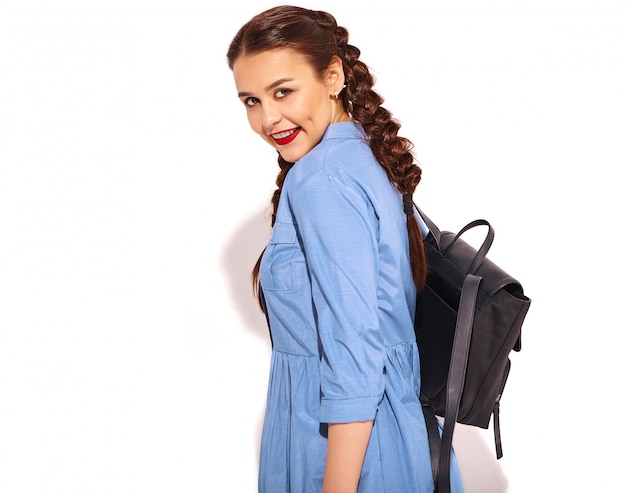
[[339, 275]]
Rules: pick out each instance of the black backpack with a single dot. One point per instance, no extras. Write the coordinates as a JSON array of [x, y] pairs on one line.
[[468, 320]]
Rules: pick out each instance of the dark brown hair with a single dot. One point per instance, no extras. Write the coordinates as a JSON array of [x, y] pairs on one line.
[[316, 35]]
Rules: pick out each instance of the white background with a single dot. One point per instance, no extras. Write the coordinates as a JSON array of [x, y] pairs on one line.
[[133, 203]]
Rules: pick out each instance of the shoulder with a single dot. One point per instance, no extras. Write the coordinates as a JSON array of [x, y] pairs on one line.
[[341, 169], [343, 153]]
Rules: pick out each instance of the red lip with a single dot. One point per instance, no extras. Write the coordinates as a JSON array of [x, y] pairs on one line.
[[289, 138]]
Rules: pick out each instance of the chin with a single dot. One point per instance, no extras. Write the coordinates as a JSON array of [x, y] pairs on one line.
[[293, 155], [290, 157]]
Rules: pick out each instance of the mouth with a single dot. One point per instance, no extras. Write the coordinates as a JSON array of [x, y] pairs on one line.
[[286, 136]]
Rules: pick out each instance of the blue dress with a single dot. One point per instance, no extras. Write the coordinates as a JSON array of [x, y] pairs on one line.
[[340, 301]]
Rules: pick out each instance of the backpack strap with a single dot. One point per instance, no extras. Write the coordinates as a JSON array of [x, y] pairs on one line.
[[432, 227], [456, 376], [496, 412], [434, 439]]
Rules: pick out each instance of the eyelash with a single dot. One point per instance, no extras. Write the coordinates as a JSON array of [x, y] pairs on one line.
[[250, 102]]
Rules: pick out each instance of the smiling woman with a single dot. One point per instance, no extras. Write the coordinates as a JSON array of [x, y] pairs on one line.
[[293, 111], [339, 277]]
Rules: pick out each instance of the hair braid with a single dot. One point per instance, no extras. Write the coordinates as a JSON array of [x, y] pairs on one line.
[[394, 153]]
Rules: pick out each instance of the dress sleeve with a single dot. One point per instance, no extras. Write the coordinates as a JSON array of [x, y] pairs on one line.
[[339, 232]]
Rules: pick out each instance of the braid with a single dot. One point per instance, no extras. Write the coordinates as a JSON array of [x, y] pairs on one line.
[[394, 153]]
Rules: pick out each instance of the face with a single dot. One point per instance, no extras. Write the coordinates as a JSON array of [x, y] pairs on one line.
[[287, 102]]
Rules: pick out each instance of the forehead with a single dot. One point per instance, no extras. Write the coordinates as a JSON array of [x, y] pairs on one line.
[[259, 70]]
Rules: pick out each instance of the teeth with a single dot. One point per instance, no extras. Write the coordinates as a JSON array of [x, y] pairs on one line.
[[282, 135]]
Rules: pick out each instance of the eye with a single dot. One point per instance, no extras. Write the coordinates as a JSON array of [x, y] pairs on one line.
[[281, 93], [250, 102]]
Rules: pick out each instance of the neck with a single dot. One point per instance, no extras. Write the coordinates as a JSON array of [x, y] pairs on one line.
[[339, 113]]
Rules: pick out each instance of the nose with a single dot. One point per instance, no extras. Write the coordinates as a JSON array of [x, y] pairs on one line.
[[271, 117]]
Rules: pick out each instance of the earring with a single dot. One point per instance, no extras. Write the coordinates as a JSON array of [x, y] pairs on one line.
[[338, 92]]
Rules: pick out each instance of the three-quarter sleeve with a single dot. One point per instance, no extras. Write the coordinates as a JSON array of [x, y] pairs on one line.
[[339, 233]]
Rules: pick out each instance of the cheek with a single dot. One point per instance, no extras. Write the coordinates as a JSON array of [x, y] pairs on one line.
[[320, 108]]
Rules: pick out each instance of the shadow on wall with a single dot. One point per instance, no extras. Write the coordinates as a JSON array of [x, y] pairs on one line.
[[239, 256], [479, 467]]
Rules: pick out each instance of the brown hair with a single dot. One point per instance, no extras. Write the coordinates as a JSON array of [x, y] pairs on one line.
[[317, 36]]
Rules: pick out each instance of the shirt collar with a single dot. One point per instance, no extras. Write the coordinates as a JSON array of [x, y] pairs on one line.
[[344, 130]]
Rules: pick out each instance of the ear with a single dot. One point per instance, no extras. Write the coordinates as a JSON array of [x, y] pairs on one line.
[[335, 78]]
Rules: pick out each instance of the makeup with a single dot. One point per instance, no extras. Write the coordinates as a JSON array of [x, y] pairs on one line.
[[286, 137]]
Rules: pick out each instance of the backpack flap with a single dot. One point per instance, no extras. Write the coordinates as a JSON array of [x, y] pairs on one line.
[[500, 310]]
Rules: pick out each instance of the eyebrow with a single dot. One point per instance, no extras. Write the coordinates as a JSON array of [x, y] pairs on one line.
[[273, 85]]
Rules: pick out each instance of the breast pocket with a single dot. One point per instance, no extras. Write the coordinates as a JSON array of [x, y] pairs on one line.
[[277, 265]]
